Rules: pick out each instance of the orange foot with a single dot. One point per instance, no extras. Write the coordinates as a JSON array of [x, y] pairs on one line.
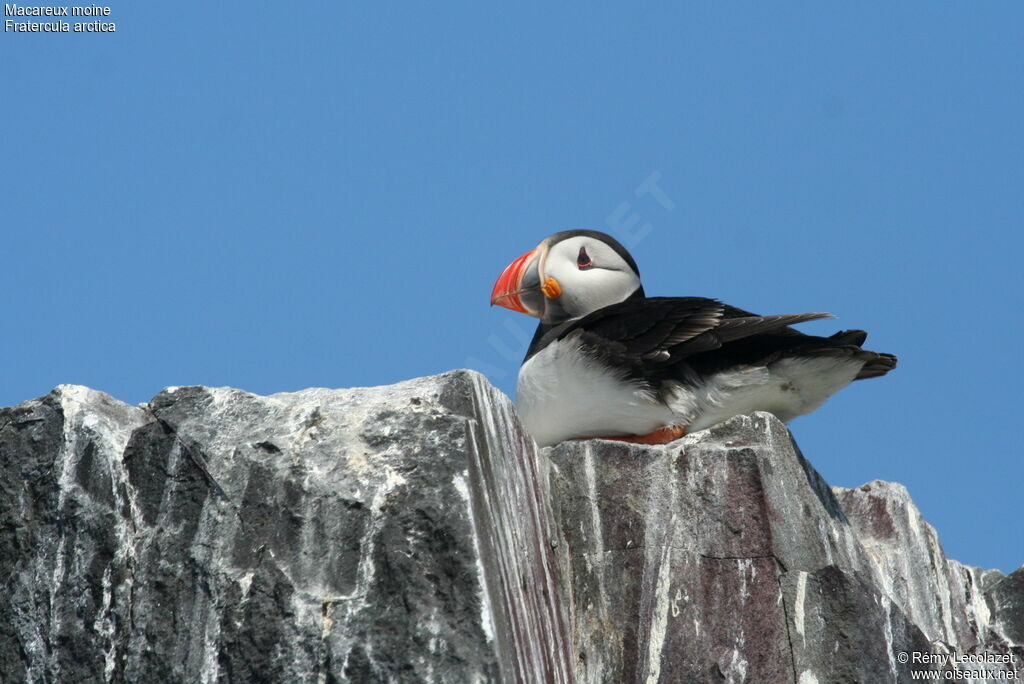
[[662, 436]]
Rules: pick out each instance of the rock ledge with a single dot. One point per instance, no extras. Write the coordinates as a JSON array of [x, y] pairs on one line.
[[414, 533]]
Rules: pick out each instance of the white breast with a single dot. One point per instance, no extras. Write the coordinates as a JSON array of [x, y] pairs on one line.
[[562, 394]]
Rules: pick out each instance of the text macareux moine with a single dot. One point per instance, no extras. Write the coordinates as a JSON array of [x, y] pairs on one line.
[[15, 10]]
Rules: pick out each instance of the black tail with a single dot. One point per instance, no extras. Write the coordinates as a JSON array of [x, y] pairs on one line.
[[854, 337], [876, 364]]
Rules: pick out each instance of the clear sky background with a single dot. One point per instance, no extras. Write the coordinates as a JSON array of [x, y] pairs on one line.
[[276, 196]]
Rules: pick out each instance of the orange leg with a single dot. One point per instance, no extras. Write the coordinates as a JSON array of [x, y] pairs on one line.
[[662, 436]]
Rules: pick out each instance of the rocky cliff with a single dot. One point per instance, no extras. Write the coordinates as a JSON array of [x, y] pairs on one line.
[[414, 533]]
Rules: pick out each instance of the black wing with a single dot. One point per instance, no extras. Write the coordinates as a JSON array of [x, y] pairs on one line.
[[651, 334]]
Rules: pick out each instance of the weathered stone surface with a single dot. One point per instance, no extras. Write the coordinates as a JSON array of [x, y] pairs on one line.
[[959, 608], [414, 533], [726, 557], [324, 535]]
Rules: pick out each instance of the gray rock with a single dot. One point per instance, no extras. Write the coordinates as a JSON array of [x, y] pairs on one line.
[[959, 608], [414, 533], [325, 535], [726, 557]]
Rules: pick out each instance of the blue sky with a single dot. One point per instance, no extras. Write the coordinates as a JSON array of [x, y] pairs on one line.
[[323, 195]]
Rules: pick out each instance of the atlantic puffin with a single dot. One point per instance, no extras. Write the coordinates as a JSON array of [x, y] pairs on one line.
[[609, 362]]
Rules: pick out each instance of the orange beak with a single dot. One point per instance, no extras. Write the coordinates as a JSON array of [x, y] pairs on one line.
[[509, 288]]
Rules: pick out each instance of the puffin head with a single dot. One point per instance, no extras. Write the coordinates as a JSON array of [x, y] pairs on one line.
[[568, 275]]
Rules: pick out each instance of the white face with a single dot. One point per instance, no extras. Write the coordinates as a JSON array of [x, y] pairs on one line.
[[591, 276]]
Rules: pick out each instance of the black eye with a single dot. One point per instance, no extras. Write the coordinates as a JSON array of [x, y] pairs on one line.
[[583, 260]]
